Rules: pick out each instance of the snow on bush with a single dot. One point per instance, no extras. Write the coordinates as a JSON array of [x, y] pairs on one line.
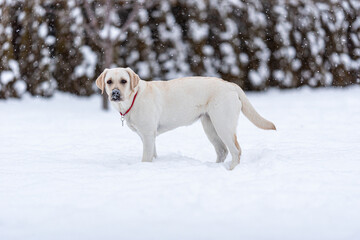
[[256, 44], [88, 65]]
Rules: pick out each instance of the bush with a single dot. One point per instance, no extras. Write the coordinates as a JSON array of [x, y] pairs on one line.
[[256, 44]]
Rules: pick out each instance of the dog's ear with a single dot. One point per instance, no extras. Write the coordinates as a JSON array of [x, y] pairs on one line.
[[134, 78], [100, 81]]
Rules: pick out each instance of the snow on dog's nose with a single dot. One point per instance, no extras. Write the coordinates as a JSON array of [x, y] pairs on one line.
[[115, 95]]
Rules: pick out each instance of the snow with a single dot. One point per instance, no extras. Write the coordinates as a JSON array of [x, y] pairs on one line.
[[232, 38], [198, 31], [244, 58], [70, 171], [38, 10], [8, 31], [255, 78], [296, 64], [231, 30], [43, 30], [76, 14], [20, 87], [317, 45], [50, 40], [143, 16], [356, 24], [229, 59], [88, 64], [279, 74], [344, 59], [112, 30], [144, 70], [256, 17], [208, 50], [133, 57], [6, 77]]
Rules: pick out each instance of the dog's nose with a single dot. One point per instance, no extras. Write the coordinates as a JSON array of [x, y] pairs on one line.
[[115, 95]]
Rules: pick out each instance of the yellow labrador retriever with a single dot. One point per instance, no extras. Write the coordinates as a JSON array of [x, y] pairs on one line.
[[152, 108]]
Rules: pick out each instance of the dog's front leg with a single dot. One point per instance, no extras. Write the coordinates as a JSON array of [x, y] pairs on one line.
[[148, 147], [155, 153]]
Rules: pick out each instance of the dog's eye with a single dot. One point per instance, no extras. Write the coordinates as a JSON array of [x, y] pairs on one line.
[[109, 82], [123, 81]]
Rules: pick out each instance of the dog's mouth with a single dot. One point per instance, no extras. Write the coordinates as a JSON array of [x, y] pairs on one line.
[[116, 99]]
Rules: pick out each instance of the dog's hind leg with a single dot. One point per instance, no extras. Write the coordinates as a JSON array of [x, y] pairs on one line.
[[224, 115], [220, 148], [229, 138]]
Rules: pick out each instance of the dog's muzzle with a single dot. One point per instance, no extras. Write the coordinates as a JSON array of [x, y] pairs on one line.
[[115, 95]]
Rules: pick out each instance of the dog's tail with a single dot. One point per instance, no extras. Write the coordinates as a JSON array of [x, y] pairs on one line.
[[250, 112]]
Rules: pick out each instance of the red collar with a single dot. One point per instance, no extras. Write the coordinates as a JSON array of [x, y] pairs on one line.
[[122, 115]]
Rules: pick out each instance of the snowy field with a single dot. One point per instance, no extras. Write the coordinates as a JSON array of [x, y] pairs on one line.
[[70, 171]]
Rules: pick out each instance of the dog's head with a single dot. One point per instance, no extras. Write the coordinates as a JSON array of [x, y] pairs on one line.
[[118, 83]]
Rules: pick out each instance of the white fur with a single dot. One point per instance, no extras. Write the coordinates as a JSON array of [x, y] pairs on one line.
[[161, 106]]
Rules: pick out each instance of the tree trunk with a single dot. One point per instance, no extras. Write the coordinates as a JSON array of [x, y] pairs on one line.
[[108, 60]]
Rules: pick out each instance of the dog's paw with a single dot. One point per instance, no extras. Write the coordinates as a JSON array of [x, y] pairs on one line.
[[231, 165]]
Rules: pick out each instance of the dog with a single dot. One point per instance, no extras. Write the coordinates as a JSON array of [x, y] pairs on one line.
[[151, 108]]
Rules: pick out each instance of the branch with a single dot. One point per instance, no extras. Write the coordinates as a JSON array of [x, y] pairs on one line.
[[91, 14], [93, 30], [131, 16], [146, 4], [150, 3], [94, 36], [107, 19]]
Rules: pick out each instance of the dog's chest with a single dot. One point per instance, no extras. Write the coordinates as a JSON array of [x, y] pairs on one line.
[[131, 125]]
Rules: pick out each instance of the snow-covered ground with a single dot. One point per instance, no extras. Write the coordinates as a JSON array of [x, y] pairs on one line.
[[70, 171]]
